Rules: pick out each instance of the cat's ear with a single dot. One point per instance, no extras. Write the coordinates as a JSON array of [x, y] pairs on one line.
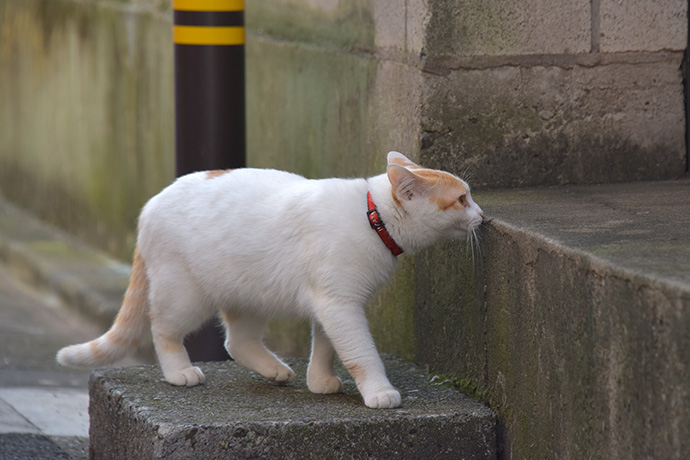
[[406, 184], [400, 159]]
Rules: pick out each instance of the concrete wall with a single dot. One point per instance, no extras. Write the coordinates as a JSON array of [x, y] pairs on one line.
[[578, 358], [86, 117]]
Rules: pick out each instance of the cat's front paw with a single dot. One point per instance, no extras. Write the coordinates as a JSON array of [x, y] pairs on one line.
[[281, 375], [383, 399], [188, 377], [326, 385]]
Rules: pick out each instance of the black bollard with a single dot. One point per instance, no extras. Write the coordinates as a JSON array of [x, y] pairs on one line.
[[210, 121]]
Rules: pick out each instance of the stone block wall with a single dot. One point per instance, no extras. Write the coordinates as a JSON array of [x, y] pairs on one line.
[[530, 93]]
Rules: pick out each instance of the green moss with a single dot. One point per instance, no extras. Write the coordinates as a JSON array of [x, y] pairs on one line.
[[314, 119], [468, 28], [349, 25], [391, 313], [289, 337]]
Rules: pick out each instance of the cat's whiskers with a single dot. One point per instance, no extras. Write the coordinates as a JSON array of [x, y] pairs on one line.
[[467, 173], [474, 246]]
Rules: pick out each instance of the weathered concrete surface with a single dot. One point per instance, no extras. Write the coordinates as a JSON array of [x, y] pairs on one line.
[[86, 120], [514, 27], [642, 227], [532, 93], [643, 26], [43, 407], [527, 125], [134, 414], [84, 278], [573, 322]]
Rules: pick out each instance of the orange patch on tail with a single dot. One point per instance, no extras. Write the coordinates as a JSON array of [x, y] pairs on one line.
[[137, 292], [95, 351], [216, 172], [114, 338]]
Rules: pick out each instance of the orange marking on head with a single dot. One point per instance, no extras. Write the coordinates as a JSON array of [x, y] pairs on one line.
[[357, 372], [216, 172], [441, 178], [407, 164], [444, 202], [446, 188]]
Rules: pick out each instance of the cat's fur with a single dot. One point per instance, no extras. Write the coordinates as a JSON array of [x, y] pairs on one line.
[[257, 244]]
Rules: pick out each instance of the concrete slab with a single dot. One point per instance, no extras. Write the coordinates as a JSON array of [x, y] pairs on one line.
[[643, 227], [134, 414], [12, 421], [54, 411]]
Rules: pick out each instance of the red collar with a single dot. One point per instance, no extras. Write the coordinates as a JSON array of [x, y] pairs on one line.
[[377, 224]]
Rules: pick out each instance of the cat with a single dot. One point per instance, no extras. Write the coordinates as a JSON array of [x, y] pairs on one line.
[[255, 244]]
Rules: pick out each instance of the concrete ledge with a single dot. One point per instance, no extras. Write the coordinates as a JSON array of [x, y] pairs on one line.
[[81, 277], [236, 414], [574, 323]]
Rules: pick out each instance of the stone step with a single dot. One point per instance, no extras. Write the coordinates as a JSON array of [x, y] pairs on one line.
[[237, 414], [573, 321], [80, 276]]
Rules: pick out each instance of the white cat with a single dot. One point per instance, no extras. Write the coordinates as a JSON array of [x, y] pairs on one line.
[[258, 244]]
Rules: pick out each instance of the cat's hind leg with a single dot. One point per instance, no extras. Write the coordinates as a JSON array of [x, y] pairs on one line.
[[175, 312], [244, 343], [320, 376]]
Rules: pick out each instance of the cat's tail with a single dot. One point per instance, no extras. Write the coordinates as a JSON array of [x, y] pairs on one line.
[[127, 333]]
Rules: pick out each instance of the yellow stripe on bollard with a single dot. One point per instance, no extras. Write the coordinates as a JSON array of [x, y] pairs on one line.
[[208, 5], [200, 35]]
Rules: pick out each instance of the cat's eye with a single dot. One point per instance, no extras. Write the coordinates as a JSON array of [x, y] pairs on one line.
[[463, 200]]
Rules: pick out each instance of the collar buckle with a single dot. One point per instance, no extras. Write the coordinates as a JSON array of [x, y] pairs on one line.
[[374, 219]]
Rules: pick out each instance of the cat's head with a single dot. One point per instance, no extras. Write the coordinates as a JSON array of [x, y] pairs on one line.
[[436, 200]]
